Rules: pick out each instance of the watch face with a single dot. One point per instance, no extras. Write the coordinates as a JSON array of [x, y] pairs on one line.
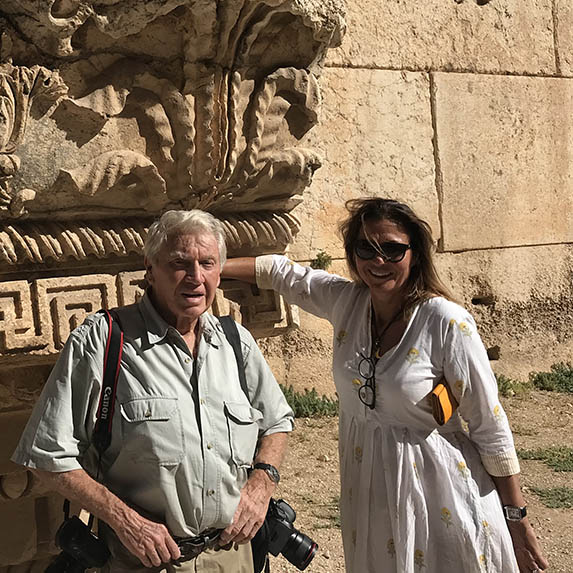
[[272, 472], [514, 513]]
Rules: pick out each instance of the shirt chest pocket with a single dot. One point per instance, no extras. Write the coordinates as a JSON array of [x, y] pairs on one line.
[[243, 431], [152, 430]]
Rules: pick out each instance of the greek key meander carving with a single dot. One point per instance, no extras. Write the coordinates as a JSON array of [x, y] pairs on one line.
[[36, 318]]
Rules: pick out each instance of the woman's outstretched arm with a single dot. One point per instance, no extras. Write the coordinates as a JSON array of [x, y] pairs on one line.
[[240, 268]]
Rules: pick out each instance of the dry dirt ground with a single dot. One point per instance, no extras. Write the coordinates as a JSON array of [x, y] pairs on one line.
[[310, 480]]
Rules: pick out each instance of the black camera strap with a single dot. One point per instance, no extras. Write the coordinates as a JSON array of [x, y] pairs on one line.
[[233, 338]]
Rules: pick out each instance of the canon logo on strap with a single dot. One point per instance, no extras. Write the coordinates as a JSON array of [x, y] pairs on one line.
[[105, 403]]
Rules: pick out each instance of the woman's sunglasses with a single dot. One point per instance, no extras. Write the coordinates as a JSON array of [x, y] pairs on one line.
[[391, 252]]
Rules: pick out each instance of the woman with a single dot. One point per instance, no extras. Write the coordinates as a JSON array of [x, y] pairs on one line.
[[415, 496]]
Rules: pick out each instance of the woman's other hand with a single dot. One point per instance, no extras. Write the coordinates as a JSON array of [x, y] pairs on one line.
[[527, 549]]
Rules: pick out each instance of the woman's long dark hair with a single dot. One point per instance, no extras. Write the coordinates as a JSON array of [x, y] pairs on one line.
[[424, 282]]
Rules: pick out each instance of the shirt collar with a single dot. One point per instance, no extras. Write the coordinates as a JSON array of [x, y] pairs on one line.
[[157, 328]]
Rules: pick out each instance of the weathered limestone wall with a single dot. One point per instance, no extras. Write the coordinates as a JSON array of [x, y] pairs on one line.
[[461, 109], [112, 112]]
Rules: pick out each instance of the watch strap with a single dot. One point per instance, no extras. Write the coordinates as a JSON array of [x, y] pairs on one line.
[[271, 471]]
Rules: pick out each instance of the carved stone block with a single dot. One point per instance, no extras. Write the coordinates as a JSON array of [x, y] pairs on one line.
[[67, 304]]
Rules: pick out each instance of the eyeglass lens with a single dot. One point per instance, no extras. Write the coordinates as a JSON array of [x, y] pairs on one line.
[[367, 392], [390, 251]]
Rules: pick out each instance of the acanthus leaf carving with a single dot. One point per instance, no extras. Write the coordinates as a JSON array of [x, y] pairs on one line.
[[108, 170], [21, 89]]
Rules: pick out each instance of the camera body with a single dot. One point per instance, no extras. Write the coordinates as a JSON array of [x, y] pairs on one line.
[[284, 538], [81, 549]]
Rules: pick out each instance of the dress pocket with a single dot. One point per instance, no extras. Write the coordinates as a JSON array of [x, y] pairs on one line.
[[152, 430], [243, 431]]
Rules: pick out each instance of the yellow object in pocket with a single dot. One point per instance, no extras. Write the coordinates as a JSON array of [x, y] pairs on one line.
[[443, 403]]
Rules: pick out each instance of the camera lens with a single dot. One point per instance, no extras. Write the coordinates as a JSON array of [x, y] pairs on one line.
[[300, 550]]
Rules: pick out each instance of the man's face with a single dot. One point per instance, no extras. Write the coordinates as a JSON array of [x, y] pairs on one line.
[[184, 277]]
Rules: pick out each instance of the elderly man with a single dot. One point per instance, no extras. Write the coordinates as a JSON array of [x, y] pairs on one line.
[[185, 437]]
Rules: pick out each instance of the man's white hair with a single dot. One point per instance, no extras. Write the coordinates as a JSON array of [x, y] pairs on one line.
[[176, 223]]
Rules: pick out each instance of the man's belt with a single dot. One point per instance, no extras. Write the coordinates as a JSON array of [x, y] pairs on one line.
[[190, 547]]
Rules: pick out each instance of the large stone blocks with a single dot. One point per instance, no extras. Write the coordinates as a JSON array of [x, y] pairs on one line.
[[506, 155], [522, 299], [375, 137], [499, 36], [564, 36]]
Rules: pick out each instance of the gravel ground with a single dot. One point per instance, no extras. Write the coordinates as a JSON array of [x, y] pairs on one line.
[[310, 481]]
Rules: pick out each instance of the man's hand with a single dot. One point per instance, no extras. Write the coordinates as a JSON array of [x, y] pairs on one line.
[[251, 511], [149, 541]]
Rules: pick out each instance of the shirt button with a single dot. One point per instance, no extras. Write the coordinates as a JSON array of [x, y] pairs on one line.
[[187, 360], [211, 492], [209, 446], [202, 401], [148, 414]]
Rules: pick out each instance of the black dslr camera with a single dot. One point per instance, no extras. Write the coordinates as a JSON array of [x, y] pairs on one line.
[[81, 549], [283, 538]]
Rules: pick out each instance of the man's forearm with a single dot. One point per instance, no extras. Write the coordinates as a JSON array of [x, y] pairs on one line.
[[146, 539], [78, 486], [272, 449]]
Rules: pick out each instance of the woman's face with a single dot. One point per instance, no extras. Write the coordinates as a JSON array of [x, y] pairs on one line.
[[384, 278]]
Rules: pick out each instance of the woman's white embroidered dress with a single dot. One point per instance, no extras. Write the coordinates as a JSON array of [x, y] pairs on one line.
[[415, 497]]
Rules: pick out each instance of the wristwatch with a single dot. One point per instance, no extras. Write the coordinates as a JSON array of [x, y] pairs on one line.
[[514, 512], [272, 472]]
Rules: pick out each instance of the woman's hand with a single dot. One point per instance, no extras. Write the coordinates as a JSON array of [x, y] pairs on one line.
[[527, 548]]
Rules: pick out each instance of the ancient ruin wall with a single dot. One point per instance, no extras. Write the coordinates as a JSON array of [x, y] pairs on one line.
[[462, 109], [112, 112]]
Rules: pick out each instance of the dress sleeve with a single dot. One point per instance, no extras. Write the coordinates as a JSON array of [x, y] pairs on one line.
[[468, 372], [315, 291], [59, 429], [265, 394]]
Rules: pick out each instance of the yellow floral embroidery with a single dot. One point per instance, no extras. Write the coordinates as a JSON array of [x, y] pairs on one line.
[[419, 558], [416, 470], [465, 425], [341, 337], [483, 562], [391, 547], [357, 382], [412, 355], [486, 528], [452, 321], [466, 330], [446, 516], [463, 469], [460, 386], [498, 413], [291, 263], [358, 453]]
